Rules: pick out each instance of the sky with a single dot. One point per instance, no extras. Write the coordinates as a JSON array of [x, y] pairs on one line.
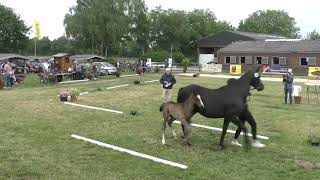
[[50, 13]]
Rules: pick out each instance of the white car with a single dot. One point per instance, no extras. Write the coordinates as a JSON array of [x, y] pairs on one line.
[[105, 68]]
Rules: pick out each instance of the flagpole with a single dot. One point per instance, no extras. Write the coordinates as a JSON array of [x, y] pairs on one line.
[[35, 47]]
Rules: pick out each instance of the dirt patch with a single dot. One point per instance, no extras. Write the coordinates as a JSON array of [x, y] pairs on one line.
[[307, 165]]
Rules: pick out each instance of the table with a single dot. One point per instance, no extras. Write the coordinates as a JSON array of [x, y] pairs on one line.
[[316, 86]]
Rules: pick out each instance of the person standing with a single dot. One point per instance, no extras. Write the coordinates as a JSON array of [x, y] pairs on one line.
[[7, 71], [167, 80], [288, 81]]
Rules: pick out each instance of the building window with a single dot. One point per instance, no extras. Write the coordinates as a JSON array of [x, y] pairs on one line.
[[276, 60], [283, 61], [312, 61], [303, 61], [258, 60], [230, 59], [242, 60], [227, 60]]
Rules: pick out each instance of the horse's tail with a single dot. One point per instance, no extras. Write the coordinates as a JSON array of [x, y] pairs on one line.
[[161, 107], [179, 99]]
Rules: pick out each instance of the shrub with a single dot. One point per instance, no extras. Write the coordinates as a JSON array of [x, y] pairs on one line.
[[185, 63]]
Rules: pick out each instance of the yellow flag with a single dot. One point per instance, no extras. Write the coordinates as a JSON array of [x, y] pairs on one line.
[[37, 26]]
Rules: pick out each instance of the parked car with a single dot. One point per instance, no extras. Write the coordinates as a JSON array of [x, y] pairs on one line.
[[105, 68], [33, 66]]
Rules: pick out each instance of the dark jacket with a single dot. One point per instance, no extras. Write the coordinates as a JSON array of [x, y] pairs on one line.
[[288, 81], [165, 79]]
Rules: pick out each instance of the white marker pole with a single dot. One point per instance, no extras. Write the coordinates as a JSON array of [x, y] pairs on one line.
[[92, 107], [66, 82], [133, 153], [151, 81], [130, 75], [84, 93], [219, 129], [113, 87]]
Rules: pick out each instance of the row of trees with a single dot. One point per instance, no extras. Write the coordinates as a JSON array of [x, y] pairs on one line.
[[127, 28]]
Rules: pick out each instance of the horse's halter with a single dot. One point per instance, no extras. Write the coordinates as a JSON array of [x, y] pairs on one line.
[[260, 86]]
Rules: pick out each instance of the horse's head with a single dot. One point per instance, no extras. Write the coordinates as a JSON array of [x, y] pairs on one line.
[[255, 81], [196, 98]]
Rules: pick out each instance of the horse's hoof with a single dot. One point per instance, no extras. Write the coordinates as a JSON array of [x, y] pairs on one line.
[[163, 142], [236, 143], [258, 144]]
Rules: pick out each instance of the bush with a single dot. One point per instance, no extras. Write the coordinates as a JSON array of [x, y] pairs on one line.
[[32, 80], [185, 63], [313, 139]]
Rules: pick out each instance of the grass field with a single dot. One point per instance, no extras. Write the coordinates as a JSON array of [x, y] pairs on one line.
[[35, 129]]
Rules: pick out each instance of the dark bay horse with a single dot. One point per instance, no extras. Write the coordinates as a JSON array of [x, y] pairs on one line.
[[182, 112], [228, 102]]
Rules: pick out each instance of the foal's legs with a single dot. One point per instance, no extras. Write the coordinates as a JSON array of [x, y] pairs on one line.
[[172, 130], [186, 132], [164, 124]]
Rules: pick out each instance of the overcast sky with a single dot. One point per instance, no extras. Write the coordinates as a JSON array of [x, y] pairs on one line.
[[51, 13]]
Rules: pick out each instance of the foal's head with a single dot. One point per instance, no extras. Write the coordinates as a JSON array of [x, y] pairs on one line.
[[255, 80], [196, 100]]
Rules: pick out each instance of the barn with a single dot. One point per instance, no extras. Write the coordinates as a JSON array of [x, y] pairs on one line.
[[293, 53], [207, 47]]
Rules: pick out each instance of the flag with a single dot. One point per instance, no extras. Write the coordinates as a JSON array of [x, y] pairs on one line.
[[37, 26]]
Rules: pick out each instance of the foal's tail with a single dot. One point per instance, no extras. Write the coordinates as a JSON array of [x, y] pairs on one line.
[[161, 107]]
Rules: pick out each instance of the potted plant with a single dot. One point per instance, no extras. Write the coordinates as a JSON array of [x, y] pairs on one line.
[[64, 95], [74, 93], [313, 139], [117, 73]]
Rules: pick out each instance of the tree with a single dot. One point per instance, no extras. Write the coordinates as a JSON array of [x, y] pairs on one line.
[[270, 22], [100, 23], [13, 31], [203, 22], [169, 29], [314, 35]]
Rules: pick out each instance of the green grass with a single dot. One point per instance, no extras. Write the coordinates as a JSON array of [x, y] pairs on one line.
[[35, 131]]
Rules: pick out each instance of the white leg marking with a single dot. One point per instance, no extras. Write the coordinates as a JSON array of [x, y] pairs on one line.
[[199, 97], [174, 133], [163, 140]]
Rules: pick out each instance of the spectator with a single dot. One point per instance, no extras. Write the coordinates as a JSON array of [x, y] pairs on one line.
[[288, 81], [167, 80], [7, 71]]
